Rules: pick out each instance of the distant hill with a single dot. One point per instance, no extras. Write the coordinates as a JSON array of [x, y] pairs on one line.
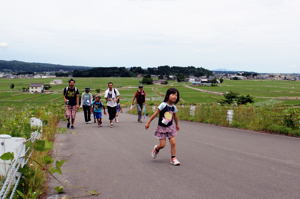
[[19, 66]]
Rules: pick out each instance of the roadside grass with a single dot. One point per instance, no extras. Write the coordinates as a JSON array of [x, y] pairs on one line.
[[16, 122], [276, 118]]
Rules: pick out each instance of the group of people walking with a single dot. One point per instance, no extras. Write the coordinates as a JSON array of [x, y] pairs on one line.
[[91, 104], [168, 123]]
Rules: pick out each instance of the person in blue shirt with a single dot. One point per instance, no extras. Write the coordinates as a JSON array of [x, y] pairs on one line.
[[97, 110]]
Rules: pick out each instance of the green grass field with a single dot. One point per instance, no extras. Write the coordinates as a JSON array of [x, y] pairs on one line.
[[265, 91], [260, 88], [16, 98]]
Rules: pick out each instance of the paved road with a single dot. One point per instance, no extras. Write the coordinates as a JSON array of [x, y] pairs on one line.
[[217, 163]]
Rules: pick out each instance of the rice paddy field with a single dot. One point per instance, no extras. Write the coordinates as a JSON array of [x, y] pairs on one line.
[[278, 101], [265, 92], [272, 91]]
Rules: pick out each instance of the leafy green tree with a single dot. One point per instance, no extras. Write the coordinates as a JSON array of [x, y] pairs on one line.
[[47, 86], [235, 78], [235, 98], [147, 80], [180, 77], [244, 99], [24, 89]]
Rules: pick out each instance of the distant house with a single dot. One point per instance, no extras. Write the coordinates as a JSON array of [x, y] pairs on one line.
[[172, 77], [154, 76], [56, 82], [201, 82], [237, 77], [196, 83], [191, 79], [36, 88], [37, 76], [9, 76], [48, 76]]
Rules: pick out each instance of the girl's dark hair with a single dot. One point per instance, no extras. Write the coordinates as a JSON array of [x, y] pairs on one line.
[[172, 91], [71, 80]]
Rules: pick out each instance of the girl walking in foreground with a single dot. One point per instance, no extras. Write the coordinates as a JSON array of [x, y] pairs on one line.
[[166, 127]]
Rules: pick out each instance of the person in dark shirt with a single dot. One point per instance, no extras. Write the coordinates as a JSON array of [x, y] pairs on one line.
[[71, 98], [140, 98]]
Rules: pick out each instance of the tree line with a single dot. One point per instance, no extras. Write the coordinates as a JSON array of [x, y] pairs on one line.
[[134, 71]]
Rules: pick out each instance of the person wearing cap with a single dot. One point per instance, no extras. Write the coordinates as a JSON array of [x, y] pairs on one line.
[[140, 98], [86, 104]]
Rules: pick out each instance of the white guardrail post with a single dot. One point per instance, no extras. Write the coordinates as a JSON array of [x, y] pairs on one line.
[[230, 114], [9, 168], [192, 110]]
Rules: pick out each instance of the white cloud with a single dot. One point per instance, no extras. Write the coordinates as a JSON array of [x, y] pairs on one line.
[[3, 45]]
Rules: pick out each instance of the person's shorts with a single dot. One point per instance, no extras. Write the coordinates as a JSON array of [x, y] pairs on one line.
[[70, 112], [98, 115]]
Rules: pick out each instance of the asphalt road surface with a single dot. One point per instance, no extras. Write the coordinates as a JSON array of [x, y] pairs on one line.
[[216, 163]]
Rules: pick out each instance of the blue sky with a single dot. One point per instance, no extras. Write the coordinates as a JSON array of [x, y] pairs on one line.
[[254, 35]]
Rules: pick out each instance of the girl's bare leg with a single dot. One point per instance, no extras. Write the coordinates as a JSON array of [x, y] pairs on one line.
[[162, 144], [173, 146]]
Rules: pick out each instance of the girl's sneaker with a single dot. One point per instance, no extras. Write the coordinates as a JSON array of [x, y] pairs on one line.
[[174, 161], [154, 153]]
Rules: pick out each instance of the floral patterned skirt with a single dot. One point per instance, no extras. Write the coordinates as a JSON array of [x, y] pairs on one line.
[[165, 132]]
